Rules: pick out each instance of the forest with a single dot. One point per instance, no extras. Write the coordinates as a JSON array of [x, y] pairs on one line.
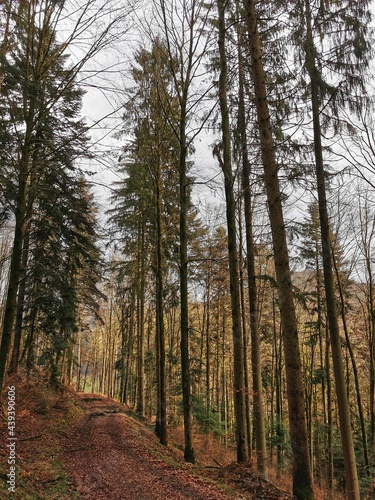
[[187, 221]]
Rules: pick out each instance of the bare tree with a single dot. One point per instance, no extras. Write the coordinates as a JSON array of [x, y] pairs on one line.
[[182, 23]]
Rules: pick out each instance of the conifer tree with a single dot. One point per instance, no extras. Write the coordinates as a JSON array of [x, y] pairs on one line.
[[226, 165], [150, 161], [40, 106], [344, 51], [302, 480], [44, 105]]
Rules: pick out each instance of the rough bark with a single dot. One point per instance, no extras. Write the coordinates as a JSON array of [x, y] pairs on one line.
[[189, 454]]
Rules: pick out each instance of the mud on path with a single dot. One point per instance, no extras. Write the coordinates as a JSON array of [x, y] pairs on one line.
[[109, 456]]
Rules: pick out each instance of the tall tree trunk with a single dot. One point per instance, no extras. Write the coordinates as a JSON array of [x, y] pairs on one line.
[[278, 412], [302, 480], [352, 486], [329, 414], [17, 250], [30, 105], [367, 243], [208, 340], [161, 412], [245, 337], [13, 365], [226, 164], [141, 324], [258, 409], [189, 454]]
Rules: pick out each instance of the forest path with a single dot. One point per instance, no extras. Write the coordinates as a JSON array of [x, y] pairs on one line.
[[112, 456]]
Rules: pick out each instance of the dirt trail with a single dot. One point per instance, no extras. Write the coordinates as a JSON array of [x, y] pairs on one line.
[[108, 457]]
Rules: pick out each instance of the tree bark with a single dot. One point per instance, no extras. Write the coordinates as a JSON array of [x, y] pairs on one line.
[[141, 323], [16, 259], [13, 365], [189, 454]]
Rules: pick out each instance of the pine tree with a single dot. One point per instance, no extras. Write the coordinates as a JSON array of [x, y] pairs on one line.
[[345, 29], [64, 267], [41, 122], [302, 480], [151, 166], [226, 165]]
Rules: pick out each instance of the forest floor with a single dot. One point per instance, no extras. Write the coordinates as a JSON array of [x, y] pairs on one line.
[[113, 456], [84, 446]]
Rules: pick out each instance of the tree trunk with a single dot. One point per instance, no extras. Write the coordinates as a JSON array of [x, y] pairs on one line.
[[245, 337], [258, 409], [354, 367], [302, 480], [226, 164], [141, 327], [5, 43], [13, 365], [329, 415], [17, 250], [161, 412], [189, 454], [208, 341]]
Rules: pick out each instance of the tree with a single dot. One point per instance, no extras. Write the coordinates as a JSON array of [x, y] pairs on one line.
[[183, 23], [28, 85], [36, 85], [226, 165], [302, 480], [258, 412], [151, 161], [64, 269], [351, 24]]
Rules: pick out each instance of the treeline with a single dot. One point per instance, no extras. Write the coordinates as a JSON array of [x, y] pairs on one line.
[[254, 321]]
